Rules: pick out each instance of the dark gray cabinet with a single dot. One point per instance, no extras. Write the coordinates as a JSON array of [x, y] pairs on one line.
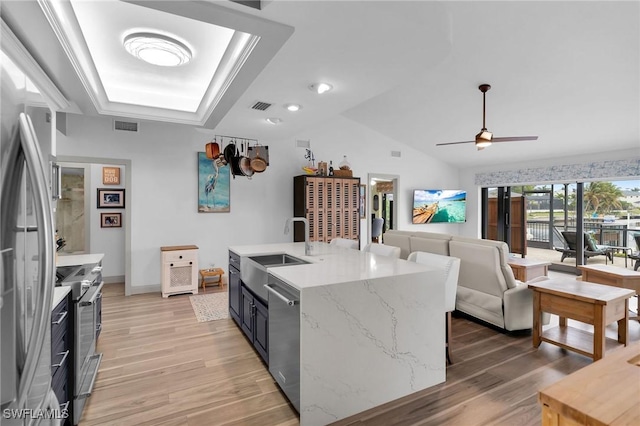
[[248, 310], [62, 355], [234, 287], [255, 317]]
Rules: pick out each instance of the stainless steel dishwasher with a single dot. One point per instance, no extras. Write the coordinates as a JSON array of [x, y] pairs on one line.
[[284, 337]]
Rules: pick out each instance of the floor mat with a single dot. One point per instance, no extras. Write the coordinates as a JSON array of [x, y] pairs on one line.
[[210, 307]]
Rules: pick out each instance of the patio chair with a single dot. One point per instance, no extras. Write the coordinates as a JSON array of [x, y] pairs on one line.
[[636, 254], [591, 249]]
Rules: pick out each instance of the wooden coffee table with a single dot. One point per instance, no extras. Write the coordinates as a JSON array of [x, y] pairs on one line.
[[612, 275], [526, 269], [603, 393], [590, 303]]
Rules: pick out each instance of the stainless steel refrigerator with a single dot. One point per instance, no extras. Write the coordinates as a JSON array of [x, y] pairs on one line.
[[27, 265]]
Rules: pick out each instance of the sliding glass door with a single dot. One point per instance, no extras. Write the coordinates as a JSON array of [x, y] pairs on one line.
[[568, 224]]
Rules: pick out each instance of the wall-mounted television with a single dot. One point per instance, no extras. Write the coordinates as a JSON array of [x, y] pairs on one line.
[[439, 205]]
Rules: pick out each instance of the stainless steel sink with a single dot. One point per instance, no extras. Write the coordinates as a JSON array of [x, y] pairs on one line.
[[254, 273], [281, 259]]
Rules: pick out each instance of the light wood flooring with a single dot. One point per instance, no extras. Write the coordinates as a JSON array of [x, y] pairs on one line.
[[162, 367]]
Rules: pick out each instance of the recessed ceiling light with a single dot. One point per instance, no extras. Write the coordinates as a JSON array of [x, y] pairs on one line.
[[273, 120], [320, 88], [157, 49], [293, 107]]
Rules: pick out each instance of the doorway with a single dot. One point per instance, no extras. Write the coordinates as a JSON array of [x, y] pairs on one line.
[[71, 217], [117, 259], [383, 204]]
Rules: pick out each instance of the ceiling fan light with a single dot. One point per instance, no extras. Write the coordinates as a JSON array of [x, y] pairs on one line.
[[484, 136], [483, 139]]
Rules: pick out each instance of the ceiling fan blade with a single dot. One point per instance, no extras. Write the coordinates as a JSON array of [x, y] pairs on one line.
[[515, 138], [454, 143]]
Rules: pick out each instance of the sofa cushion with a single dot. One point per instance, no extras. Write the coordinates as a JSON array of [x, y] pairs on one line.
[[503, 250], [480, 267], [429, 245], [432, 235], [480, 305], [398, 239]]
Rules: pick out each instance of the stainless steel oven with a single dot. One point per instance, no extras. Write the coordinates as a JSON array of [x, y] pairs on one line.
[[86, 290]]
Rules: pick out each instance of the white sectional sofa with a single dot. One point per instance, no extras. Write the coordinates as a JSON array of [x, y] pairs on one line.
[[487, 289]]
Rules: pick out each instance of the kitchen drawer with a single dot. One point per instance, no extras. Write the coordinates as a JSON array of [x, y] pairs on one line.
[[179, 263], [234, 260], [59, 385], [59, 320], [179, 255], [60, 360]]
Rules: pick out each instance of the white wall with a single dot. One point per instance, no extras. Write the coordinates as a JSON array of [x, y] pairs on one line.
[[369, 152], [162, 199], [109, 241]]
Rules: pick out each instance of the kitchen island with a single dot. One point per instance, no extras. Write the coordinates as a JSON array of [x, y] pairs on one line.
[[371, 328]]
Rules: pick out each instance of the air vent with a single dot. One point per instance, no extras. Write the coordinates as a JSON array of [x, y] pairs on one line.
[[395, 153], [127, 126], [261, 106]]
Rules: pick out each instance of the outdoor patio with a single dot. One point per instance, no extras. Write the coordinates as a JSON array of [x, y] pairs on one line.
[[554, 256]]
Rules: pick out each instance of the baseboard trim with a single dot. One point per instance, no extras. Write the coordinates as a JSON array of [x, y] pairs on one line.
[[146, 289], [113, 279]]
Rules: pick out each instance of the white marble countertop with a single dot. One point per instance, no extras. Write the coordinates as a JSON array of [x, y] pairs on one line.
[[59, 293], [78, 259], [329, 264], [373, 314]]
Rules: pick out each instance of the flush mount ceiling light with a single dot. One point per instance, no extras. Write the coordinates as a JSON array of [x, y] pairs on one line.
[[157, 49], [293, 107], [320, 88], [273, 120]]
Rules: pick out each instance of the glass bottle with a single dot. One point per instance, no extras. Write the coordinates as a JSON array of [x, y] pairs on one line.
[[344, 164]]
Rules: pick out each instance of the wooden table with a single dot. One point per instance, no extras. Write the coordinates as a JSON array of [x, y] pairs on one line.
[[606, 392], [211, 273], [526, 269], [582, 301], [612, 275]]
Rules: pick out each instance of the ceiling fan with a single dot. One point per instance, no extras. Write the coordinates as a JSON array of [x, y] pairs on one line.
[[485, 138]]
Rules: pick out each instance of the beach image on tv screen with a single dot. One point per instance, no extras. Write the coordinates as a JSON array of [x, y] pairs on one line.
[[439, 205]]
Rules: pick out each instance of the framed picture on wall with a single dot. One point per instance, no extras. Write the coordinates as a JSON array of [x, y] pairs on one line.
[[111, 220], [110, 198], [111, 175], [213, 186]]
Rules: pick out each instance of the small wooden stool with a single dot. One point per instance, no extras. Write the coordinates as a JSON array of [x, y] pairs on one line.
[[209, 273]]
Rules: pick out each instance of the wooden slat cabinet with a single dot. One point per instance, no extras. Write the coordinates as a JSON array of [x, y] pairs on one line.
[[331, 204]]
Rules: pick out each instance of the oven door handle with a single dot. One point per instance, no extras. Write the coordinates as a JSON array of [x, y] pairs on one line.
[[94, 297]]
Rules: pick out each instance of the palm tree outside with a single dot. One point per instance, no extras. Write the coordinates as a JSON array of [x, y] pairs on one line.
[[601, 198]]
